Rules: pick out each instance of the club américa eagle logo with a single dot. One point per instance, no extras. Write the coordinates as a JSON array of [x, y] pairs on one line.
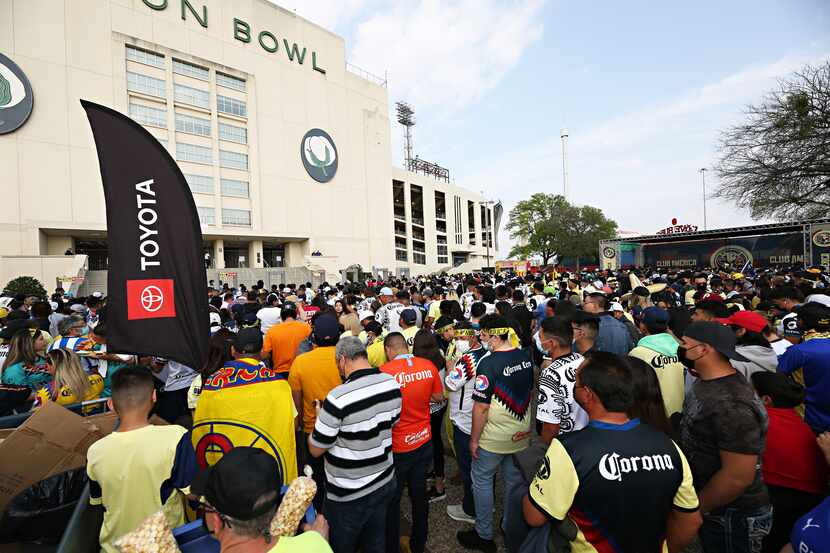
[[16, 99], [319, 155]]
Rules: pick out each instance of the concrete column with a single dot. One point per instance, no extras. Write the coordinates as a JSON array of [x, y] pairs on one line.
[[295, 253], [218, 254], [255, 254]]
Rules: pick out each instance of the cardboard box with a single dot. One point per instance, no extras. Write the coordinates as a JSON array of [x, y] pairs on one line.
[[51, 441]]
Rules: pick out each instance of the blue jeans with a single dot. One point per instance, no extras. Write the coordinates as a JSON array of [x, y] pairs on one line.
[[360, 523], [735, 531], [461, 442], [483, 470], [411, 471]]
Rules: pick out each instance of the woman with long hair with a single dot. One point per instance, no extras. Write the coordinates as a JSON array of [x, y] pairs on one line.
[[347, 317], [71, 383], [424, 345], [25, 364], [219, 353], [648, 399]]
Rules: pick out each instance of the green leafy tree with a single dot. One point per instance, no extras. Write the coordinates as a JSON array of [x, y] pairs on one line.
[[26, 285], [532, 223], [547, 225], [777, 162]]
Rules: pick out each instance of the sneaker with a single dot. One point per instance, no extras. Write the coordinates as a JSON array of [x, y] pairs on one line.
[[434, 495], [469, 539], [456, 512]]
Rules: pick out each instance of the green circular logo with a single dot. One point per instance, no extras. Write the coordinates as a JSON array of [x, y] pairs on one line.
[[16, 99], [319, 155]]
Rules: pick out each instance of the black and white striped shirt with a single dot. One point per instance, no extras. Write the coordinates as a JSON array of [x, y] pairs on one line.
[[355, 427]]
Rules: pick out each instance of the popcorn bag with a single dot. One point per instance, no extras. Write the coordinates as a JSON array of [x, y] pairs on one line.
[[294, 505], [154, 535]]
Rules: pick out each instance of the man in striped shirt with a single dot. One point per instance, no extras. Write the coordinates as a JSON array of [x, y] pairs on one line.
[[354, 431]]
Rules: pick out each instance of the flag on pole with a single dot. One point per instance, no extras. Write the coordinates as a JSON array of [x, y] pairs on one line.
[[156, 284]]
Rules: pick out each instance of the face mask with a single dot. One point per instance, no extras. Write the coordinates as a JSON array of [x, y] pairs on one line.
[[688, 363], [462, 346], [85, 330], [487, 346], [538, 341]]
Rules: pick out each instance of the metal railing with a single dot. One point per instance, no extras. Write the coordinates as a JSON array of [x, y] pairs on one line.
[[362, 73]]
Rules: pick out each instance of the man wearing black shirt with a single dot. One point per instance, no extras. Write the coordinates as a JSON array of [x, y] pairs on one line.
[[624, 485], [525, 318], [723, 433]]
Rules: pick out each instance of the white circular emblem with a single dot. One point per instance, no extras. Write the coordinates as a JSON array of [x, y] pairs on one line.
[[152, 298]]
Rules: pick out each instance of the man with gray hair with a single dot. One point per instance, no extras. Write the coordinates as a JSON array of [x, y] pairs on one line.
[[354, 432], [242, 494]]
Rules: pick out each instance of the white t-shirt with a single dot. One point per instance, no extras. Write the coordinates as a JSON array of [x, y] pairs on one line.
[[269, 316], [556, 395], [389, 316]]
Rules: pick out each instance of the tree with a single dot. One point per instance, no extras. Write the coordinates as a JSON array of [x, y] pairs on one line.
[[547, 225], [532, 223], [588, 226], [26, 285], [777, 163]]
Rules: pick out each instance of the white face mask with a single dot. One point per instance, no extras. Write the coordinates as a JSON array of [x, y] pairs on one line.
[[487, 346], [462, 346]]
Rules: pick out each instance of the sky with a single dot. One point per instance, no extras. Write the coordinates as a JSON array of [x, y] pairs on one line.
[[644, 88]]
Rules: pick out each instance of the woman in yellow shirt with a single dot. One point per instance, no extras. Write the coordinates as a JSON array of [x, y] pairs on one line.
[[70, 383]]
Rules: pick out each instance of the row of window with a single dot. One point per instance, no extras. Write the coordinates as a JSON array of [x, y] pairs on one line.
[[151, 86], [204, 155], [230, 187], [156, 117], [184, 68], [232, 217]]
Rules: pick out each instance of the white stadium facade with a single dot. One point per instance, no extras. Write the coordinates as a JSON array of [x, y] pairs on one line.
[[285, 146]]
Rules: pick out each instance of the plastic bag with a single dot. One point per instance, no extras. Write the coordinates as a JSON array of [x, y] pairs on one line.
[[41, 512]]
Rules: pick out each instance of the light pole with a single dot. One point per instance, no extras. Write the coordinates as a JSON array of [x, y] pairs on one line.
[[487, 224], [563, 135], [703, 177]]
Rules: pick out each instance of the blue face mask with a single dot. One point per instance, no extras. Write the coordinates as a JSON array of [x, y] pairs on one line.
[[85, 330], [538, 341], [476, 326]]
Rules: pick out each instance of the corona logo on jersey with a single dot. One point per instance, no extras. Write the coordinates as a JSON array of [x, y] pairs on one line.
[[612, 466], [246, 404]]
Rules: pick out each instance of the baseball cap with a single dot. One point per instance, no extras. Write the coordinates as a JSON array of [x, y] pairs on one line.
[[822, 299], [78, 308], [715, 335], [365, 314], [749, 320], [97, 295], [655, 315], [326, 327], [386, 291], [617, 306], [409, 316], [580, 317], [234, 484], [815, 315], [248, 340]]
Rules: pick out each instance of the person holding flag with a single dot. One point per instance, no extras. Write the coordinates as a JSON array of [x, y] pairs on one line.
[[246, 404]]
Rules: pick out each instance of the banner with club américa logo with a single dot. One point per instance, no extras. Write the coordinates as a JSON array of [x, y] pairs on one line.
[[156, 283]]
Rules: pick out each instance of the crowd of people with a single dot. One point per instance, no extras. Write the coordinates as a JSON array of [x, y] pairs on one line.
[[632, 410]]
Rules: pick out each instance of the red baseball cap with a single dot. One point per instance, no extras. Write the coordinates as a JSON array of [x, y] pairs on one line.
[[750, 320]]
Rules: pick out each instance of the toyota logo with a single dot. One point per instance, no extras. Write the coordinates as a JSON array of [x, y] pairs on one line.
[[152, 298]]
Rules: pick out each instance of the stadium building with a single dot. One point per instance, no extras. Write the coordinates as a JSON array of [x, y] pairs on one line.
[[285, 146]]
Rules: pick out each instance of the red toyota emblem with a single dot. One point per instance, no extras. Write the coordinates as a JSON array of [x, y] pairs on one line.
[[150, 299]]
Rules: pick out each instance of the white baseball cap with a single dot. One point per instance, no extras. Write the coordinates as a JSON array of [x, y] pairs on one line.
[[364, 314], [53, 305], [386, 291], [617, 306], [97, 295], [819, 298], [215, 320]]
